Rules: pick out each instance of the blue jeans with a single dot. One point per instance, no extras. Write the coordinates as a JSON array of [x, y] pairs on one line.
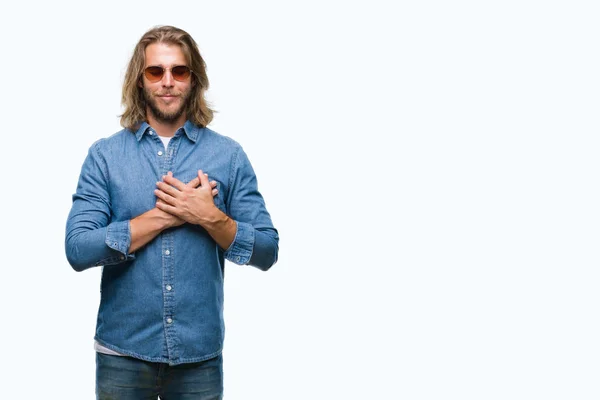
[[127, 378]]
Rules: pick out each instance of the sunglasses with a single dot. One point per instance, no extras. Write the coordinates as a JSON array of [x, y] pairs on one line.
[[155, 73]]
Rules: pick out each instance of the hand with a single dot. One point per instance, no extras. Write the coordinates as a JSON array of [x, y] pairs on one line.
[[173, 220], [192, 202]]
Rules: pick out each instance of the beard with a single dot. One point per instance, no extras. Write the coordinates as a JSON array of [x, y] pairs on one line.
[[163, 115]]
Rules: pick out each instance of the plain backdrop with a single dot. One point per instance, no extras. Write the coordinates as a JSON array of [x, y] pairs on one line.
[[431, 166]]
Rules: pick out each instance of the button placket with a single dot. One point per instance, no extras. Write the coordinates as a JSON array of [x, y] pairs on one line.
[[165, 160]]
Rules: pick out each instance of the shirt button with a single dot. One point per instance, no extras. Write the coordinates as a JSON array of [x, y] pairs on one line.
[[150, 133], [169, 287], [169, 321], [160, 153], [167, 252]]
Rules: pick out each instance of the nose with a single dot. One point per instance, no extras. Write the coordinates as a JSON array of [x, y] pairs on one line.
[[167, 79]]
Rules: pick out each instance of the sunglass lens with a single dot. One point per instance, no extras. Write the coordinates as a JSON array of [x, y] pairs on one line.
[[154, 74], [180, 72]]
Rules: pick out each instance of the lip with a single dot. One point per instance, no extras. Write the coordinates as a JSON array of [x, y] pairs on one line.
[[168, 99]]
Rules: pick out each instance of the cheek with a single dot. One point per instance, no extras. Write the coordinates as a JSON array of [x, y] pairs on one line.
[[187, 88], [150, 88]]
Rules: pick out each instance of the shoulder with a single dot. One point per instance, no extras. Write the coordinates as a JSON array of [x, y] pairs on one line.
[[220, 144], [115, 141], [218, 139]]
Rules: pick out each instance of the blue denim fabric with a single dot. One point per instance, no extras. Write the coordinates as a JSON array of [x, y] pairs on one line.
[[126, 378], [164, 303]]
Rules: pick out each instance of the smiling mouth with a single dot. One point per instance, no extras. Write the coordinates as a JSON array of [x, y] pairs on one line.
[[169, 98]]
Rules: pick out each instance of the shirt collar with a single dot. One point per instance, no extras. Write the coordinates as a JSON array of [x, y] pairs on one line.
[[191, 131]]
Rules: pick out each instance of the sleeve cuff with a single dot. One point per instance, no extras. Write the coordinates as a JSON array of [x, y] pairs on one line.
[[118, 238], [240, 250]]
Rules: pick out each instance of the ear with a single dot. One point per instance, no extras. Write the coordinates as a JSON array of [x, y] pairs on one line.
[[140, 84]]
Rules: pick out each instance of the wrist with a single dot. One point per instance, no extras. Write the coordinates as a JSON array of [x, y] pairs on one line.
[[163, 220], [214, 220]]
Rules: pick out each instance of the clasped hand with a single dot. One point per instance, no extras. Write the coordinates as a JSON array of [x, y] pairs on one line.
[[191, 202]]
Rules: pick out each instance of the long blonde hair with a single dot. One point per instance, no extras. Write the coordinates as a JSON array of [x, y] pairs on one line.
[[198, 110]]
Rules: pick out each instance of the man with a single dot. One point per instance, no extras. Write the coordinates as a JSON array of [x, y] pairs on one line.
[[161, 205]]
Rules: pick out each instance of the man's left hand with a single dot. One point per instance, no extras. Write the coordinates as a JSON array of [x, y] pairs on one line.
[[195, 206]]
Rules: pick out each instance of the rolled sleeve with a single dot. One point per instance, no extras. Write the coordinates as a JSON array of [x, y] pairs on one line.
[[91, 240], [118, 238], [240, 250], [256, 240]]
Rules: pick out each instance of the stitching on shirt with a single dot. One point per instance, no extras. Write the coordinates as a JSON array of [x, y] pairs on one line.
[[98, 161], [232, 172]]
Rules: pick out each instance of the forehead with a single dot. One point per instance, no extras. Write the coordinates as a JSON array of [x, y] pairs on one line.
[[164, 54]]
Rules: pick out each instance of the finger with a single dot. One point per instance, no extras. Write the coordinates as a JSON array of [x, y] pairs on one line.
[[194, 183], [170, 200], [213, 184], [214, 192], [166, 208], [159, 201], [171, 180], [168, 189], [203, 178]]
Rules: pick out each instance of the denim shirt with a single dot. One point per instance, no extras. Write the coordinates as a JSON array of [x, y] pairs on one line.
[[164, 303]]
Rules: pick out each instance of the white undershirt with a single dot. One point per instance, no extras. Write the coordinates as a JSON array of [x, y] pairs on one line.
[[165, 140], [101, 349]]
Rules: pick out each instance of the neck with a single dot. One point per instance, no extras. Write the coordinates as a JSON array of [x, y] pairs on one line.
[[165, 128]]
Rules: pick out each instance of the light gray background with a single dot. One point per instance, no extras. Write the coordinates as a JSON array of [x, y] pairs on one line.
[[432, 168]]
